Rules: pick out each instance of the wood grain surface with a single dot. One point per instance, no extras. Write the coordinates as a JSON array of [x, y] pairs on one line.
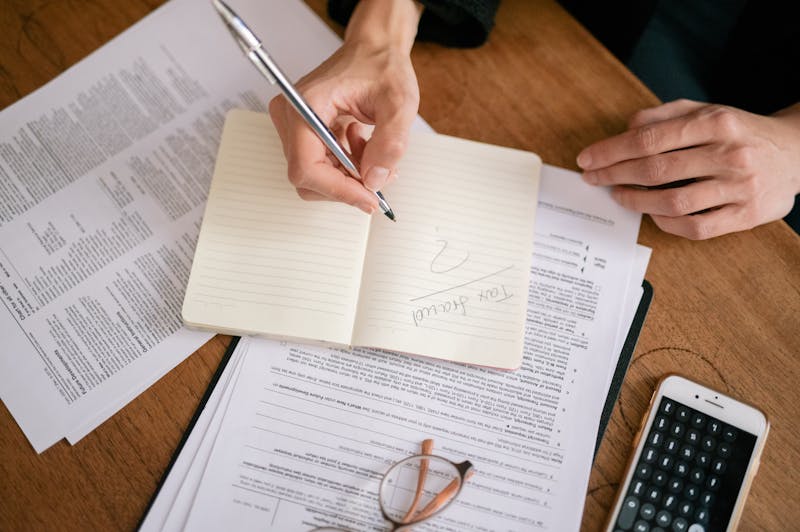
[[725, 311]]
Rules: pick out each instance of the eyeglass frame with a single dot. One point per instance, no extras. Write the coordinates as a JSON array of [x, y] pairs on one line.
[[465, 470]]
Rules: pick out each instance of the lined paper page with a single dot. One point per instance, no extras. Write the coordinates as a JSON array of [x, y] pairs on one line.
[[450, 278], [268, 262]]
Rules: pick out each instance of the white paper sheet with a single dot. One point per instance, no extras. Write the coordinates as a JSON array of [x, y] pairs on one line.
[[177, 492], [103, 178], [534, 427], [633, 295]]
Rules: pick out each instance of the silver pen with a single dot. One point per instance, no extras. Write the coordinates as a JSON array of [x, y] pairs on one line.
[[252, 48]]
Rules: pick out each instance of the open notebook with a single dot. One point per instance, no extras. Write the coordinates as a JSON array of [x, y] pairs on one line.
[[448, 280]]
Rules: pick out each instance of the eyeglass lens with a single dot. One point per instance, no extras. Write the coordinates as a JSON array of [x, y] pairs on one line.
[[418, 487]]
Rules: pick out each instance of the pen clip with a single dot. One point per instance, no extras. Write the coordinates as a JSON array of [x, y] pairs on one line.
[[245, 38]]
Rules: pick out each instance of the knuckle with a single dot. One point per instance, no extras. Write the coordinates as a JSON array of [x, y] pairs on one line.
[[725, 120], [395, 147], [318, 97], [647, 139], [395, 97], [703, 228], [741, 158], [622, 196], [638, 118], [338, 191], [750, 187], [654, 169], [402, 105], [603, 176], [698, 229], [677, 202]]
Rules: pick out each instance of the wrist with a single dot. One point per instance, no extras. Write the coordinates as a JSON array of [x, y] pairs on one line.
[[790, 118], [381, 24]]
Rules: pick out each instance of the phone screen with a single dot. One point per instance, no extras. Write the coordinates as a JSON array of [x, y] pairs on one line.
[[689, 473]]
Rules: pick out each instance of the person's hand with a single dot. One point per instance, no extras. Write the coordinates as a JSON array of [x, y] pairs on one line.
[[701, 170], [369, 81]]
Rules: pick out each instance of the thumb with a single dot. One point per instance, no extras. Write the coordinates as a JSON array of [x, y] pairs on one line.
[[384, 149]]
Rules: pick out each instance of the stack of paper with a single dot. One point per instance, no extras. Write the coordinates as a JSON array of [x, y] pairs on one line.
[[296, 437], [103, 179]]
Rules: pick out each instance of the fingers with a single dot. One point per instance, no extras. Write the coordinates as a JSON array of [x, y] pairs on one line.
[[356, 139], [658, 169], [711, 224], [706, 125], [699, 170], [387, 145], [356, 133], [644, 141], [666, 111], [310, 169], [329, 182], [679, 201]]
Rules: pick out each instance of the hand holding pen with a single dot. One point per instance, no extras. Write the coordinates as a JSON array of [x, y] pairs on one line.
[[368, 81]]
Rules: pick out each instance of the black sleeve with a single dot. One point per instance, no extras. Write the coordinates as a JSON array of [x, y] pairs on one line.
[[461, 23]]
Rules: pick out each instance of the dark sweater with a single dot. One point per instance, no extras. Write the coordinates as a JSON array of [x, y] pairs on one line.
[[459, 23], [759, 69]]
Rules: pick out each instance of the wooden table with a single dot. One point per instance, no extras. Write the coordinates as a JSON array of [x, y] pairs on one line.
[[726, 311]]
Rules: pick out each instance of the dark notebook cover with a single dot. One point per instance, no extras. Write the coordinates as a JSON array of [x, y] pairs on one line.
[[624, 360]]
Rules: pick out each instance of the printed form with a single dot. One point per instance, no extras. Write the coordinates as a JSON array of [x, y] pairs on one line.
[[309, 431]]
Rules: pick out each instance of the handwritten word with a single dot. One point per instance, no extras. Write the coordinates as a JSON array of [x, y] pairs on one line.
[[458, 304], [450, 306], [496, 294]]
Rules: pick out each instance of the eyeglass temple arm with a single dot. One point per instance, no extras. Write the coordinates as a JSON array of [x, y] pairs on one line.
[[427, 448], [445, 495]]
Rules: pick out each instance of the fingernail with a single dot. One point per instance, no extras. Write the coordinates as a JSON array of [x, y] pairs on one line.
[[590, 177], [367, 208], [376, 177], [584, 159]]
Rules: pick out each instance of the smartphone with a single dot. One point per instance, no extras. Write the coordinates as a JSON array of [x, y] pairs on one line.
[[695, 455]]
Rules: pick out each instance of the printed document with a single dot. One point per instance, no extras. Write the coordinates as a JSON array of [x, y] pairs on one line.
[[104, 174], [309, 431]]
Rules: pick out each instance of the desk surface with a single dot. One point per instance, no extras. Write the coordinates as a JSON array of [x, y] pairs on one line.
[[726, 311]]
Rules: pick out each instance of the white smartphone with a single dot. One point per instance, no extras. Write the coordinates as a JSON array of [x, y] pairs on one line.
[[695, 455]]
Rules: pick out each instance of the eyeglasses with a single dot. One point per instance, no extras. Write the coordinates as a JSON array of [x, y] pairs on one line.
[[418, 488]]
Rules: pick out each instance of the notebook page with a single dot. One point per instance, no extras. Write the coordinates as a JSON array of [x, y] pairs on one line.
[[450, 278], [268, 262]]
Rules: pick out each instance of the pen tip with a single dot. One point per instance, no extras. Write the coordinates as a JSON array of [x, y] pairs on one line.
[[390, 215]]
